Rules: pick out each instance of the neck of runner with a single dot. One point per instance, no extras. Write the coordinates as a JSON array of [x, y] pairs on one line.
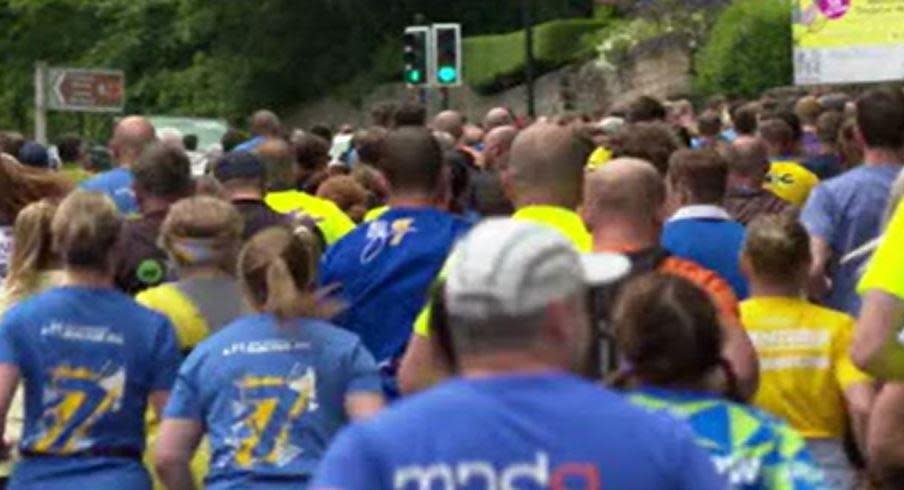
[[505, 364], [87, 278], [881, 156]]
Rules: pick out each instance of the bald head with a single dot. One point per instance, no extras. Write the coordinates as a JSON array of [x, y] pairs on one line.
[[497, 117], [265, 123], [497, 145], [412, 161], [625, 189], [279, 160], [450, 122], [546, 166], [131, 137], [748, 157]]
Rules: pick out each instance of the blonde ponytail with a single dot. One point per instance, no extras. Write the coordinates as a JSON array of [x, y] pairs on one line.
[[277, 270], [32, 251]]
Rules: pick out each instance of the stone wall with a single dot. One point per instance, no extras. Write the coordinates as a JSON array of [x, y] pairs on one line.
[[662, 71]]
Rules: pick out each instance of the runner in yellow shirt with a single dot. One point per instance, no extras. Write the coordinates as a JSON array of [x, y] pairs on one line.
[[806, 374]]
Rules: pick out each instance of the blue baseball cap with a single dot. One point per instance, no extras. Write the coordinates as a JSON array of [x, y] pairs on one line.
[[239, 165]]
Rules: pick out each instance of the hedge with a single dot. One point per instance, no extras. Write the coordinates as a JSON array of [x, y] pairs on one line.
[[748, 51], [495, 62]]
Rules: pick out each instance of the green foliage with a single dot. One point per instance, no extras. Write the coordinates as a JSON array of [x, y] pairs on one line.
[[497, 61], [749, 49]]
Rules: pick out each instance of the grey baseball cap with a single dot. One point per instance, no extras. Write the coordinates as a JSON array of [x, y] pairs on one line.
[[507, 267]]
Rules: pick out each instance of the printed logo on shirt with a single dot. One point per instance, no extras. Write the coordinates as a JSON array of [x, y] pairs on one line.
[[740, 470], [483, 474], [381, 233], [266, 410], [75, 399]]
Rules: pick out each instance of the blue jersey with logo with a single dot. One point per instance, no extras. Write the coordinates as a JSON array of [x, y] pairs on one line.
[[117, 184], [89, 359], [530, 432], [271, 396], [753, 449], [384, 269]]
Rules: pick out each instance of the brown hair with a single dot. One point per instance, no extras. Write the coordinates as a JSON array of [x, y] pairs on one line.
[[653, 142], [278, 272], [668, 329], [777, 247], [23, 185], [880, 118], [347, 193], [702, 173], [710, 123], [85, 228], [202, 230], [32, 250], [808, 109]]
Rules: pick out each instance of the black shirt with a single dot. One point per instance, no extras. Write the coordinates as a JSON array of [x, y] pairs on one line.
[[140, 263], [258, 217]]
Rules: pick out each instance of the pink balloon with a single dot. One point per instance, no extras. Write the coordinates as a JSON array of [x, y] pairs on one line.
[[834, 9]]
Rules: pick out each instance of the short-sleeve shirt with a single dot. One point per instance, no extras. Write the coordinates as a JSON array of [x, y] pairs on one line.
[[140, 263], [271, 396], [846, 212], [89, 359], [117, 184], [745, 205], [6, 249], [753, 449], [710, 239], [886, 269], [805, 364], [791, 181], [384, 270], [531, 432]]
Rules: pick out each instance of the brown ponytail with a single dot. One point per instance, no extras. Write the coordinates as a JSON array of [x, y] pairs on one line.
[[278, 272]]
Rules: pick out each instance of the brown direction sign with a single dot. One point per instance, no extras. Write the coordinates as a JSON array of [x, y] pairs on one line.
[[73, 89]]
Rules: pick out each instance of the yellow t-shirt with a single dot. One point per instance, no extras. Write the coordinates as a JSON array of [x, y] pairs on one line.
[[598, 158], [805, 366], [191, 329], [375, 213], [565, 221], [332, 221], [885, 271], [791, 181]]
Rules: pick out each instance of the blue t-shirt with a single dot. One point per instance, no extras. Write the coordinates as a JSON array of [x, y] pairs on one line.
[[271, 396], [117, 184], [89, 359], [713, 243], [846, 212], [531, 432], [384, 270], [250, 145]]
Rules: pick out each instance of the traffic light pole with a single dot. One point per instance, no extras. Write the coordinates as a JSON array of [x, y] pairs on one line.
[[527, 20]]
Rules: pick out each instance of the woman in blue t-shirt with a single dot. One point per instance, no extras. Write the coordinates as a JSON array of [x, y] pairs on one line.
[[271, 389], [90, 358]]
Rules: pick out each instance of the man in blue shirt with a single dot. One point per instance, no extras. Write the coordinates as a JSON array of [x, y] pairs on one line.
[[514, 300], [383, 269], [844, 213], [700, 229], [130, 138], [264, 125]]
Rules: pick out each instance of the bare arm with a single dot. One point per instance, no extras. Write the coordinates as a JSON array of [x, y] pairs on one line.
[[422, 365], [740, 352], [177, 443], [886, 433], [361, 406], [9, 381], [820, 284], [860, 398], [875, 346]]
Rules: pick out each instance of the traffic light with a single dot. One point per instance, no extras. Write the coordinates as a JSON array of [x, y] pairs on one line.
[[417, 55], [447, 42]]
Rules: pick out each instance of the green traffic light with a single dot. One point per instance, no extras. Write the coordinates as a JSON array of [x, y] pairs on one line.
[[447, 74], [414, 76]]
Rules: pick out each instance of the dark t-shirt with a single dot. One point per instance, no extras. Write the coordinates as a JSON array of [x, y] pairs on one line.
[[824, 166], [745, 205], [258, 217], [140, 263]]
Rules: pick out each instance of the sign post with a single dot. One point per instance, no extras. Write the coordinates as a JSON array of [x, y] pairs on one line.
[[76, 90]]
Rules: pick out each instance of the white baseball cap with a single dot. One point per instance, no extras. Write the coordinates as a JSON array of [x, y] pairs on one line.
[[507, 267]]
